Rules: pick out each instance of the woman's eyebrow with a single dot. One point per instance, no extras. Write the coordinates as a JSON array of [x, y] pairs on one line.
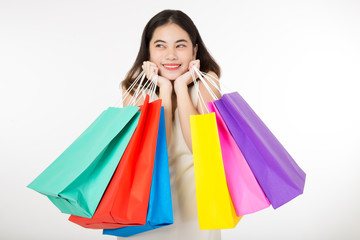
[[162, 41], [181, 40]]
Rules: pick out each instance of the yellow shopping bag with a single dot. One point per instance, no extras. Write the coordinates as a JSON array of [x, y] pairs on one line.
[[214, 204]]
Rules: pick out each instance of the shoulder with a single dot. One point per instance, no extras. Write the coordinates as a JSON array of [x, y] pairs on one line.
[[213, 74], [210, 81]]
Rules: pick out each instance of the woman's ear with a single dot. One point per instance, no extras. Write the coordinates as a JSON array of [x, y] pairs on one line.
[[195, 51]]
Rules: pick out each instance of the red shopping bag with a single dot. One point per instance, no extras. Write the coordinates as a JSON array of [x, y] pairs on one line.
[[125, 201]]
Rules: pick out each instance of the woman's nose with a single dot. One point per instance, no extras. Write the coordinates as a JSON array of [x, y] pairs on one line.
[[171, 54]]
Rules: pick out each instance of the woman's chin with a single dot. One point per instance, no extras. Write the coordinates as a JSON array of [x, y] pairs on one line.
[[171, 76]]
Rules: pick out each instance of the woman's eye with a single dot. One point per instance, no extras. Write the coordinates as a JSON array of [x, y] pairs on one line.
[[181, 45], [159, 45]]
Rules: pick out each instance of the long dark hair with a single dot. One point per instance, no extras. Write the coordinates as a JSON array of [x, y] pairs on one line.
[[207, 63]]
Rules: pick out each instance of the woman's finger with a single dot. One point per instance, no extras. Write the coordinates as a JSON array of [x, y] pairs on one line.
[[150, 69]]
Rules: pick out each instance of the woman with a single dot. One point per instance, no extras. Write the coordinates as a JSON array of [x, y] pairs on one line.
[[170, 46]]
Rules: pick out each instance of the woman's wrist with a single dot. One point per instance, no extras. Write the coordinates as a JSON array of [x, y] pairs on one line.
[[180, 87], [165, 94], [165, 86]]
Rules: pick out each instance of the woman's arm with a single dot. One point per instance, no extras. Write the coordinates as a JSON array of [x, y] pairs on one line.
[[186, 108]]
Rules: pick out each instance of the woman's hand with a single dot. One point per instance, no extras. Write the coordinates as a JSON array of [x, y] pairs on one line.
[[151, 70], [185, 79]]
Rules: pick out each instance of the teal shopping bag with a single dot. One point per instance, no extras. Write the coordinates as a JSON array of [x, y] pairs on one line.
[[160, 212], [77, 179]]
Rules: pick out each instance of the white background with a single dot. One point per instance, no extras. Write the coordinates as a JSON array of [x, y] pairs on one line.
[[295, 62]]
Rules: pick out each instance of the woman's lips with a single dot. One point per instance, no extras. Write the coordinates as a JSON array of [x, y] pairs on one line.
[[171, 67]]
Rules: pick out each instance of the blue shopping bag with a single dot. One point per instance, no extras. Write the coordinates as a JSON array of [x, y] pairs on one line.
[[77, 179], [160, 211]]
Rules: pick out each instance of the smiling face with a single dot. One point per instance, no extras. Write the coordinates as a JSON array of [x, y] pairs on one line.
[[171, 50]]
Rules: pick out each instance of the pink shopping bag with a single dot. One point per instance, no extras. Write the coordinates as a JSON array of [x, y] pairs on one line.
[[245, 192]]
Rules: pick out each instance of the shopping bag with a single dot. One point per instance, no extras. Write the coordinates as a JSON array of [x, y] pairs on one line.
[[160, 211], [246, 194], [276, 171], [77, 179], [125, 201], [214, 205]]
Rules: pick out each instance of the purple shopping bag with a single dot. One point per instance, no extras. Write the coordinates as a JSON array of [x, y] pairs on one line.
[[276, 171]]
